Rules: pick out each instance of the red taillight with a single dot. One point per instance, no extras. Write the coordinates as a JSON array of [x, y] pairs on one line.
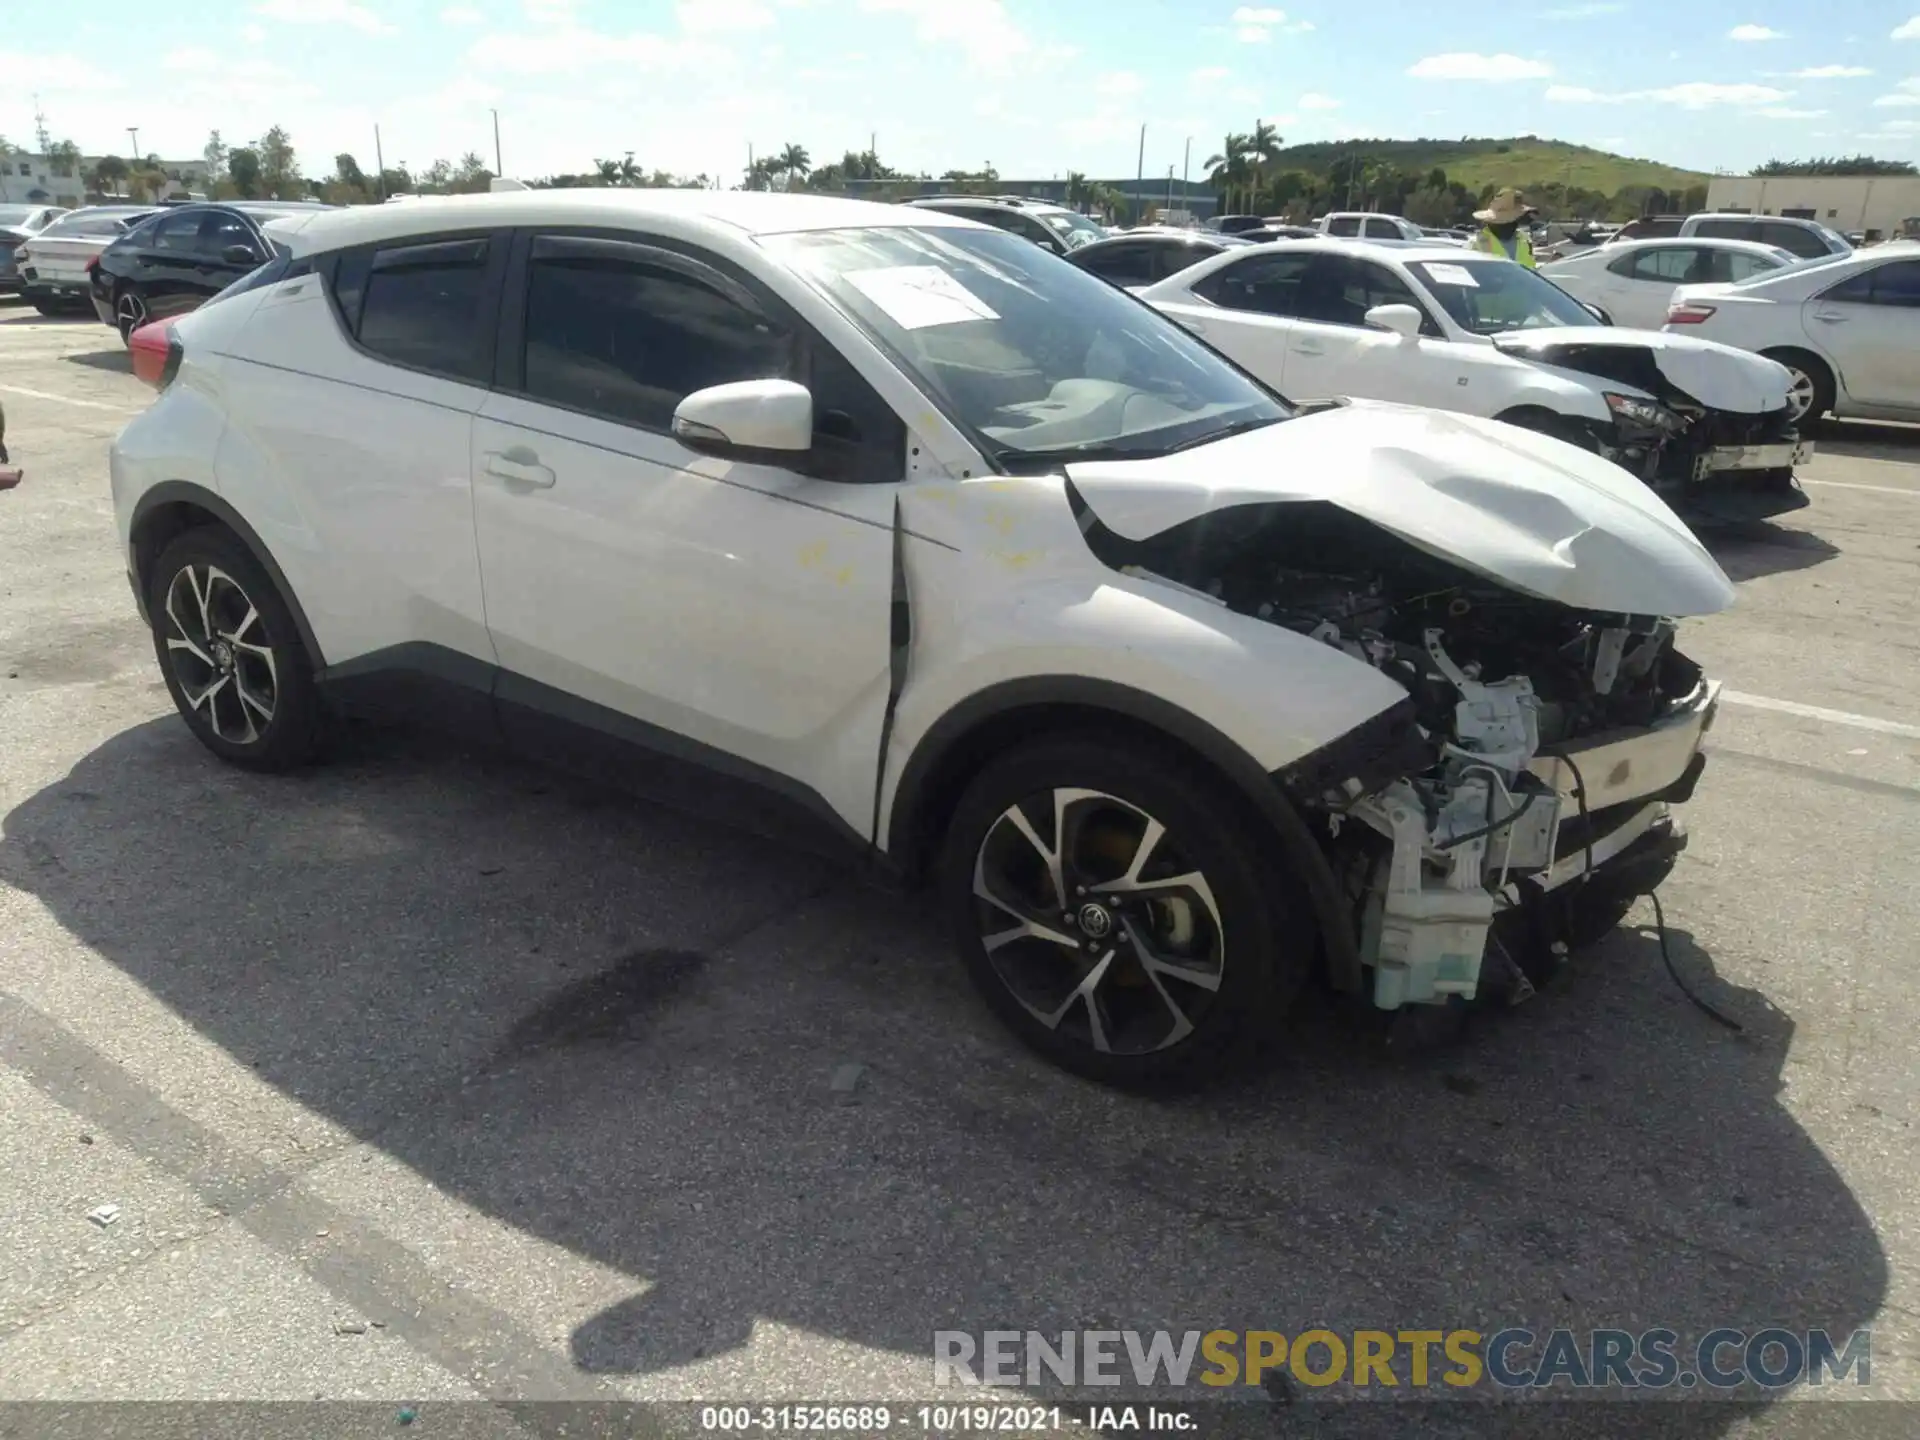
[[92, 260], [156, 353], [1688, 312]]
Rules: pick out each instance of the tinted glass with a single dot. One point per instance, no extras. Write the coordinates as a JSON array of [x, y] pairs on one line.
[[224, 229], [1382, 230], [1728, 229], [1796, 238], [630, 342], [1037, 360], [1364, 286], [175, 232], [1264, 284], [1131, 264], [1345, 225], [1898, 284], [423, 307]]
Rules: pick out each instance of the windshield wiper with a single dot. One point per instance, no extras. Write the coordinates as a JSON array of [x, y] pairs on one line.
[[1238, 427]]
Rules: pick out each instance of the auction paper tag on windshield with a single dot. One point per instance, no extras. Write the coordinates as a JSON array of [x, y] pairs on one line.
[[916, 296], [1452, 275]]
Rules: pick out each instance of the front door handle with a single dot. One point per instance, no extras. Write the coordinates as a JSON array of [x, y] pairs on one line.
[[521, 466], [1309, 347], [1828, 318], [1194, 325]]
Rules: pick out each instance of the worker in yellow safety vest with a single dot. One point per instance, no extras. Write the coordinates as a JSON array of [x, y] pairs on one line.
[[1504, 227]]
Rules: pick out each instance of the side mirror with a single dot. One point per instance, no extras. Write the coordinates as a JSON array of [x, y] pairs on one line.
[[240, 255], [1594, 310], [746, 420], [1403, 320]]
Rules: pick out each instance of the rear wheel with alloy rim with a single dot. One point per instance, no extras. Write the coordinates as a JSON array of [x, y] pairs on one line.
[[129, 313], [1810, 395], [230, 653], [1120, 913]]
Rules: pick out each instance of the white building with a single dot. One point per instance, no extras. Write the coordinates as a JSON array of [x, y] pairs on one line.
[[1874, 204], [36, 180]]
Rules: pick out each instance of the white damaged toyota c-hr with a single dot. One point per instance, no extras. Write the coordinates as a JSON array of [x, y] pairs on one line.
[[1178, 695]]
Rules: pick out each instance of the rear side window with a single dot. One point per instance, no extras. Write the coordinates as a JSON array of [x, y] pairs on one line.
[[1344, 225], [1798, 239], [1132, 264], [1727, 229], [422, 306], [1383, 230]]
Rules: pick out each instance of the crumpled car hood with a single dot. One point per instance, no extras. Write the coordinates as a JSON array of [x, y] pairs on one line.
[[1534, 514], [1718, 376]]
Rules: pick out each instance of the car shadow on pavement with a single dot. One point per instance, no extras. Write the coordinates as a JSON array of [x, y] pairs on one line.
[[27, 315], [117, 360], [762, 1092], [1749, 549]]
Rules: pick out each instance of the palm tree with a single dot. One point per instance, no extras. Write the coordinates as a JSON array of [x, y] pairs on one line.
[[795, 162], [607, 172], [1227, 170], [1076, 188]]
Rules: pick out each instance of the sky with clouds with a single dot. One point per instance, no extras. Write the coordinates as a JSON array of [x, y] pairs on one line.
[[1035, 87]]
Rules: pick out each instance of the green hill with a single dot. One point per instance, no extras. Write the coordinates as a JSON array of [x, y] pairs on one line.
[[1523, 160]]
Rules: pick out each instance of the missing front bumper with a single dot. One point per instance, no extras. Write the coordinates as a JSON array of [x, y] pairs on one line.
[[1781, 455]]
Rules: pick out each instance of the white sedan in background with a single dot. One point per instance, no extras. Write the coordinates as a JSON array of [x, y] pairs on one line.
[[1441, 327], [1634, 281], [1847, 328]]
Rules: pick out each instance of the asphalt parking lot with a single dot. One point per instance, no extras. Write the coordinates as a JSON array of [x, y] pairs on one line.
[[426, 1076]]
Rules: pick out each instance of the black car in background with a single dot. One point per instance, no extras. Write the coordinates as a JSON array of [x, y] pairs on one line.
[[1145, 257], [182, 256]]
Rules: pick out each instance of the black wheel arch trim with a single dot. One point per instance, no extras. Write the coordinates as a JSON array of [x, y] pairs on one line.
[[185, 492], [1240, 769]]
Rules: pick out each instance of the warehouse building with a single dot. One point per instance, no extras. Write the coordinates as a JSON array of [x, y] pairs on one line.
[[1874, 205]]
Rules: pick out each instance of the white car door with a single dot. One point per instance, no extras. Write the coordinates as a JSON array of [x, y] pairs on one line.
[[738, 613], [1870, 324]]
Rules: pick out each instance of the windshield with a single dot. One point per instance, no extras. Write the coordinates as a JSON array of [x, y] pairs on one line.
[[1034, 358], [1075, 229], [1491, 296]]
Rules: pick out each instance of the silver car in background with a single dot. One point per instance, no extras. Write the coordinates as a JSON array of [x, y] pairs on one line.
[[53, 264], [17, 224]]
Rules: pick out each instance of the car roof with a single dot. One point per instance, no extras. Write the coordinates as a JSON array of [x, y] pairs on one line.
[[989, 202], [1690, 242], [716, 214]]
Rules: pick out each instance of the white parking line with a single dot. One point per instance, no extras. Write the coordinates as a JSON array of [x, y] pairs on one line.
[[67, 400], [1820, 712], [1850, 485]]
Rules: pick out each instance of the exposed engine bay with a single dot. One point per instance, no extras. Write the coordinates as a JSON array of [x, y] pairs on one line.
[[1539, 748]]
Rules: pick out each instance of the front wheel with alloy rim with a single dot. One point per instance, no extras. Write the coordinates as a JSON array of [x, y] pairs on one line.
[[1121, 913], [129, 313], [230, 653]]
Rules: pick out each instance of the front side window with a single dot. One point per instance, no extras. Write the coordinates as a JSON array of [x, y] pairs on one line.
[[1490, 297], [629, 341], [224, 230], [1038, 361], [422, 305], [1348, 225], [1072, 228]]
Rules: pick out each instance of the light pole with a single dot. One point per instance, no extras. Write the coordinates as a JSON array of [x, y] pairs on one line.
[[498, 168], [133, 134], [1186, 169]]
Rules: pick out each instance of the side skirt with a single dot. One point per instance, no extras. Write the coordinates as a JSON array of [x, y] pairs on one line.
[[482, 704]]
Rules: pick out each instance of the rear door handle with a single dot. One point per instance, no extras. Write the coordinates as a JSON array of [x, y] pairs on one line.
[[521, 466], [1830, 319], [1194, 325], [1309, 347]]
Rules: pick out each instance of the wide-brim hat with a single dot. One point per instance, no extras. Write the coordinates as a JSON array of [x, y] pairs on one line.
[[1508, 206]]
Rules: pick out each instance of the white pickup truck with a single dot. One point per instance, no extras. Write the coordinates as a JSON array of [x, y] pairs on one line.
[[1387, 229]]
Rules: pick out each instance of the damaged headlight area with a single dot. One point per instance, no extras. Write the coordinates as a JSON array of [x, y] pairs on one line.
[[1634, 412], [1517, 800]]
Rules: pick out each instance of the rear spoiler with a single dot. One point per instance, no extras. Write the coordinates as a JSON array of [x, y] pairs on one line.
[[500, 183]]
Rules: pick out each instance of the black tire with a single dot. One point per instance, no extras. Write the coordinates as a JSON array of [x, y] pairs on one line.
[[1257, 955], [50, 308], [1545, 422], [210, 573], [1805, 363]]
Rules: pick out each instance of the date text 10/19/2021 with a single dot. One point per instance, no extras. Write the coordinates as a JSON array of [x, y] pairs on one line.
[[945, 1419]]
